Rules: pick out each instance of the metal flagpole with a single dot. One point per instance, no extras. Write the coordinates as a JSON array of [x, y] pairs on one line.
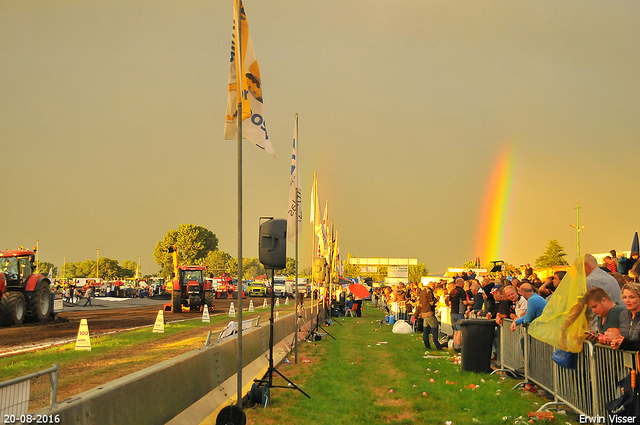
[[297, 217], [239, 283]]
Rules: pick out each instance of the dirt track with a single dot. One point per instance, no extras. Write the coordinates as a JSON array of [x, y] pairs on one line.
[[101, 319]]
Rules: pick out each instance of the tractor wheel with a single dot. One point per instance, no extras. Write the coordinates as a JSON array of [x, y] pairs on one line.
[[40, 303], [13, 308], [176, 301], [208, 299]]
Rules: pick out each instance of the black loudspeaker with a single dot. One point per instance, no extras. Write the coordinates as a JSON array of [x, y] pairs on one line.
[[272, 244], [319, 269]]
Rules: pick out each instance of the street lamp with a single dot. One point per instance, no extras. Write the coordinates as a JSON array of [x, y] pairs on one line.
[[97, 258], [577, 226]]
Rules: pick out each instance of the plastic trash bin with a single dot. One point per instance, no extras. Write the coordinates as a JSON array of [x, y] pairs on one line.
[[477, 343]]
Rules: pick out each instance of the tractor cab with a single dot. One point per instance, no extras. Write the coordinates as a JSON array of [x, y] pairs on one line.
[[191, 282], [17, 269], [23, 293]]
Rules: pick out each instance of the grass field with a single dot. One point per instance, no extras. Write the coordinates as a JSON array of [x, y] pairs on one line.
[[116, 355], [372, 376]]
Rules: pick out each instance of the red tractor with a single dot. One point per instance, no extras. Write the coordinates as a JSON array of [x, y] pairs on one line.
[[24, 293], [191, 289]]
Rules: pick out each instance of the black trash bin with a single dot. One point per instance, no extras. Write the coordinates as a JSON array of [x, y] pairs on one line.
[[477, 343]]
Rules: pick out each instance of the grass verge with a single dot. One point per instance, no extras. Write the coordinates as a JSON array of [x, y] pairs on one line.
[[117, 355], [356, 380]]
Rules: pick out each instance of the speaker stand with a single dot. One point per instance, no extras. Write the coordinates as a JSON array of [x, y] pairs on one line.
[[315, 329], [268, 376]]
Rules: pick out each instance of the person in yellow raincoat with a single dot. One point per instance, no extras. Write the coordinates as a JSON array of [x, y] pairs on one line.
[[563, 322]]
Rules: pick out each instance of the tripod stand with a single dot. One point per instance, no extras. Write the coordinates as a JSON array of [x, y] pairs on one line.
[[315, 329], [268, 376]]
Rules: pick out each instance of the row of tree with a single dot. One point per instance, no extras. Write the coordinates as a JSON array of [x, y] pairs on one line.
[[108, 269], [197, 245], [554, 255]]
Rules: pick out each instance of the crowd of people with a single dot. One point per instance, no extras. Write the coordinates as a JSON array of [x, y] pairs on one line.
[[612, 300], [73, 292]]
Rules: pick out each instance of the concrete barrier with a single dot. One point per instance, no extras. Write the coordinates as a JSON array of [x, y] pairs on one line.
[[161, 392]]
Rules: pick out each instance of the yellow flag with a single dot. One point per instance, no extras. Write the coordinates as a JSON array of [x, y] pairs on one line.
[[249, 84]]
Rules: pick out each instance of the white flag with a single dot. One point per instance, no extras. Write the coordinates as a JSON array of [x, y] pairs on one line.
[[295, 196], [314, 215], [326, 249], [250, 85]]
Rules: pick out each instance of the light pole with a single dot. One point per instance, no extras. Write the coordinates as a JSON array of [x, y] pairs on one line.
[[577, 226], [97, 258], [64, 266], [37, 255]]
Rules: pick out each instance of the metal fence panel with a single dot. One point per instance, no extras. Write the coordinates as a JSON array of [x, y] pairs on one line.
[[574, 385], [511, 352], [29, 393], [539, 363]]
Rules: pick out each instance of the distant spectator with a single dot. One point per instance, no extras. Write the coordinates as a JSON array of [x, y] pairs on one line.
[[535, 305], [623, 263], [478, 299], [519, 302], [457, 297], [549, 287], [599, 278], [88, 295], [614, 258], [610, 264]]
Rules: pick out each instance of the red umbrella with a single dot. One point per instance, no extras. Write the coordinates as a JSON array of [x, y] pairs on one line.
[[359, 290]]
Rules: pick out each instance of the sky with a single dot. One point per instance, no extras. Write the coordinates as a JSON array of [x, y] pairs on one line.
[[439, 130]]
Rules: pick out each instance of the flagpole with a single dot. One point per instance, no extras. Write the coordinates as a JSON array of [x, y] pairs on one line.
[[239, 285], [297, 218]]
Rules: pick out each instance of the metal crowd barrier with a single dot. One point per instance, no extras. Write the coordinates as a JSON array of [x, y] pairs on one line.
[[401, 311], [511, 350], [29, 393], [585, 389], [538, 363]]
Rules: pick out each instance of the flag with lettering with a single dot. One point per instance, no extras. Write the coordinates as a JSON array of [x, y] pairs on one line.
[[295, 197], [249, 84]]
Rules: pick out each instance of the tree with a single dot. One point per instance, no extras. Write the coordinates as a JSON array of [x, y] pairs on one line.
[[193, 242], [129, 268], [218, 262], [469, 265], [416, 272], [553, 256], [290, 269], [43, 268]]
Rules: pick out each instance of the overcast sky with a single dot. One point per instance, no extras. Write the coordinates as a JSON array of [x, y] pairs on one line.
[[112, 117]]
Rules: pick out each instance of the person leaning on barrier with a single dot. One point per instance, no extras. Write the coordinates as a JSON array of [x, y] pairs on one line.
[[519, 302], [535, 305], [608, 314], [629, 338]]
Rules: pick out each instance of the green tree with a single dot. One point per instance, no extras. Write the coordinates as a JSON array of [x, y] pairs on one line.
[[128, 268], [290, 270], [251, 267], [218, 262], [553, 256], [469, 265], [108, 269], [193, 243], [43, 268], [416, 272]]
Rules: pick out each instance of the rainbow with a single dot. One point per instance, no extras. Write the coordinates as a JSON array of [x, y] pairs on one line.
[[494, 220]]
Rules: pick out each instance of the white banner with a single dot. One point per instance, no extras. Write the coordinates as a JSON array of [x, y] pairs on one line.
[[295, 196], [254, 127], [398, 271]]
